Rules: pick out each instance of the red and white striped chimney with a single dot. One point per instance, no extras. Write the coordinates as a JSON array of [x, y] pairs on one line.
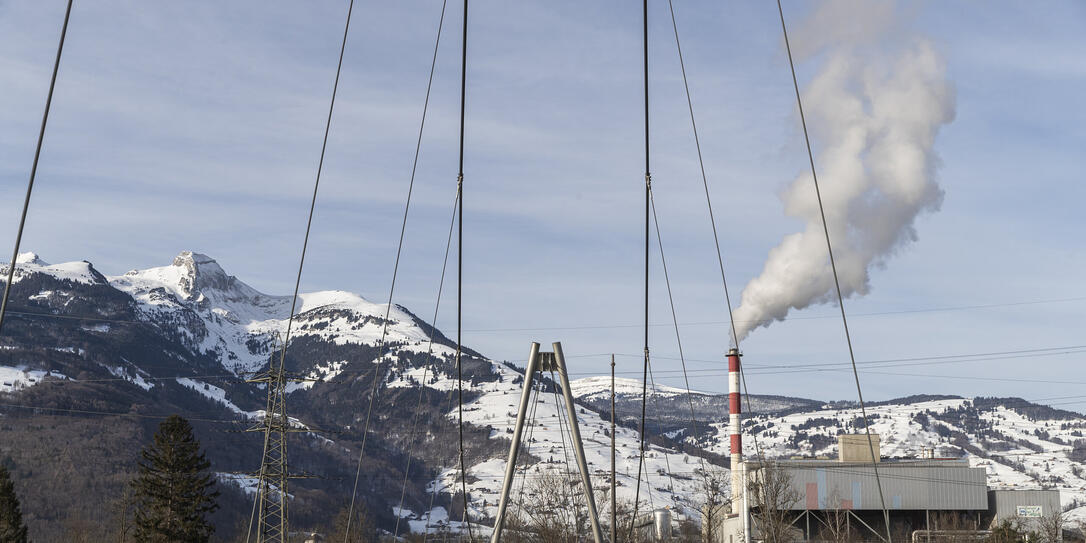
[[734, 412]]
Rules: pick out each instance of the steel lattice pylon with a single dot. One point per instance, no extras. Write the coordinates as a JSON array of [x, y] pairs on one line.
[[272, 497]]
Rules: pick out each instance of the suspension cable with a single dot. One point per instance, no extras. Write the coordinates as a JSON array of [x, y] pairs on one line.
[[534, 397], [425, 373], [660, 431], [716, 243], [675, 322], [429, 354], [648, 194], [460, 270], [436, 487], [392, 288], [316, 186], [34, 166], [833, 267], [558, 410]]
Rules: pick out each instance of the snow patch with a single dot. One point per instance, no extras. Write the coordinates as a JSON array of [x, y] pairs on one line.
[[211, 392], [14, 379], [248, 484], [29, 263], [135, 378]]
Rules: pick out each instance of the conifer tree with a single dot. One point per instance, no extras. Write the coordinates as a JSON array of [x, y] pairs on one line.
[[12, 529], [174, 493]]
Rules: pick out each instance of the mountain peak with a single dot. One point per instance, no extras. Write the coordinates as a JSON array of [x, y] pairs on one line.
[[185, 258], [192, 276], [30, 258], [199, 274]]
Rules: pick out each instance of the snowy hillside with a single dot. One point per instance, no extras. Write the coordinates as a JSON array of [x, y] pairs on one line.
[[218, 318], [1021, 445], [78, 272], [549, 441], [179, 338], [594, 388]]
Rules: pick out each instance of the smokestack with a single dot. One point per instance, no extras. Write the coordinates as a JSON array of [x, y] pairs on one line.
[[875, 105], [733, 425]]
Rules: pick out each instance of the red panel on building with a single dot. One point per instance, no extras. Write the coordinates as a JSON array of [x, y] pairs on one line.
[[812, 496]]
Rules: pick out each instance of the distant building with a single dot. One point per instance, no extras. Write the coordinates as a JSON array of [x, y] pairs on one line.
[[1025, 506], [927, 498]]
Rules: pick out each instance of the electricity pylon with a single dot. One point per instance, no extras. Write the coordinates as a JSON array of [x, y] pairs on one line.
[[272, 496]]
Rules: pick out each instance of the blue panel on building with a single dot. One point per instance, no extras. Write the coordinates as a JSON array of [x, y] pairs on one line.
[[820, 476]]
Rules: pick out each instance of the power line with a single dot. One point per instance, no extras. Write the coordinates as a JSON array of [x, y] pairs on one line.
[[34, 166], [92, 318], [793, 318], [888, 362], [270, 428], [115, 413], [773, 369], [444, 267], [801, 368], [675, 319], [392, 291], [833, 267]]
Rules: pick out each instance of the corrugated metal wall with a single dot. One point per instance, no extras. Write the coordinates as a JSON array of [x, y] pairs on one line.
[[1039, 503], [935, 485]]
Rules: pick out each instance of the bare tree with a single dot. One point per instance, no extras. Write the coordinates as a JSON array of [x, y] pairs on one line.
[[714, 500], [1076, 531], [835, 521], [771, 497], [362, 528], [1050, 527], [1007, 531], [121, 508], [554, 509], [955, 528]]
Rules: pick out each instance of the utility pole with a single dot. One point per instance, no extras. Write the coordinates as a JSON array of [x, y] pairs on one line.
[[614, 485]]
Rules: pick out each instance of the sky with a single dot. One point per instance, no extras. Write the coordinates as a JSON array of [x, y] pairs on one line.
[[197, 126]]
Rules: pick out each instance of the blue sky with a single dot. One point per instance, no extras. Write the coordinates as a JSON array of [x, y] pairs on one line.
[[197, 126]]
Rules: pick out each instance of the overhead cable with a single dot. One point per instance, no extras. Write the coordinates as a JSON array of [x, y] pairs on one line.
[[833, 267], [34, 166]]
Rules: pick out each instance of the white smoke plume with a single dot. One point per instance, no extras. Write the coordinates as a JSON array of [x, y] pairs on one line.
[[874, 108]]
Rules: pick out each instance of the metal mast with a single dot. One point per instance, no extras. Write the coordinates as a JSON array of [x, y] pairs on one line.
[[272, 486], [539, 362], [272, 497]]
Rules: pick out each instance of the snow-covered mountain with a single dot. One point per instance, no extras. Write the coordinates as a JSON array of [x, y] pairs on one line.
[[181, 337], [1021, 445], [673, 408], [211, 329], [238, 324]]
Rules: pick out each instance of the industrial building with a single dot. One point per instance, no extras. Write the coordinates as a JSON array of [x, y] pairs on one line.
[[923, 499]]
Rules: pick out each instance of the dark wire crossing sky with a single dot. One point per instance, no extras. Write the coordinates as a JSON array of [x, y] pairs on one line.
[[198, 127]]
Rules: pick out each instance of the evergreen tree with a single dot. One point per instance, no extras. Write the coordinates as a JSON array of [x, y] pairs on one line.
[[12, 529], [174, 492]]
